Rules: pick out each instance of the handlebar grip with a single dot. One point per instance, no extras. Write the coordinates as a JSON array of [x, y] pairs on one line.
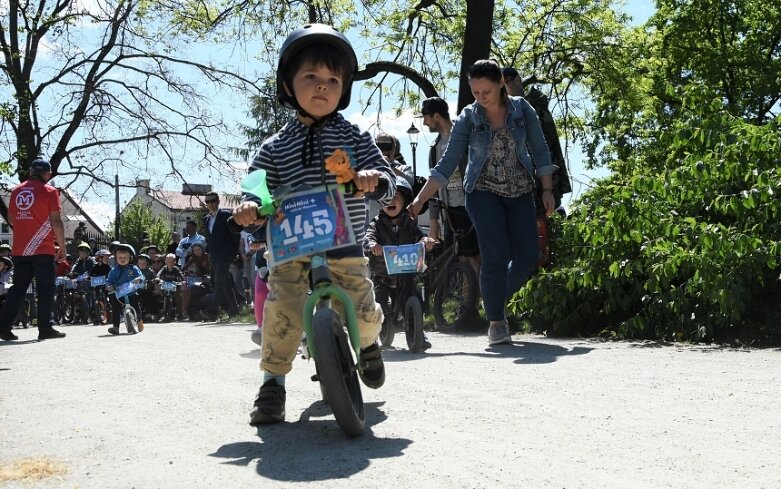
[[233, 226], [379, 191]]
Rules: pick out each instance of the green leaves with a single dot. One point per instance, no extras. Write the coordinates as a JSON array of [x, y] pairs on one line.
[[690, 252]]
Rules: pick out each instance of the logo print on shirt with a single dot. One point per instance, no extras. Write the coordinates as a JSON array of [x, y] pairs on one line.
[[25, 200]]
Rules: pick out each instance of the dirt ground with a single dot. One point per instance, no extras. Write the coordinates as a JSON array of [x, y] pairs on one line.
[[168, 408]]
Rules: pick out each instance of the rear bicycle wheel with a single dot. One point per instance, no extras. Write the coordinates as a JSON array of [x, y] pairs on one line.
[[337, 372], [413, 324], [456, 296], [101, 312]]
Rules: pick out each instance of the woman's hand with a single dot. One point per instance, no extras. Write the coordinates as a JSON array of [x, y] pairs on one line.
[[549, 202], [246, 214], [415, 207]]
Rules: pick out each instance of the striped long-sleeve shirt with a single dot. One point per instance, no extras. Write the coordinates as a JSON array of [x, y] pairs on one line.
[[293, 157]]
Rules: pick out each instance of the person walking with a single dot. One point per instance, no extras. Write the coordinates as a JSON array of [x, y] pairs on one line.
[[499, 183], [223, 246], [34, 214]]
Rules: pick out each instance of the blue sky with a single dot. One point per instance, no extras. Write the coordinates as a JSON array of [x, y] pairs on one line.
[[235, 110]]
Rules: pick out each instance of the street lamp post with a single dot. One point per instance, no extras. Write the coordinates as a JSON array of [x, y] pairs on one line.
[[116, 209], [413, 133]]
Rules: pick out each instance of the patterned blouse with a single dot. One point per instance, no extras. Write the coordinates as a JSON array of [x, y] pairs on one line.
[[503, 173]]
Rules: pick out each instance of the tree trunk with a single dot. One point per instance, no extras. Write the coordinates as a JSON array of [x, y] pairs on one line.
[[477, 43]]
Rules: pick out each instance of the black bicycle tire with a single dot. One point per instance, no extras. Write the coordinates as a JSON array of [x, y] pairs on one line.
[[338, 377], [388, 331], [467, 303], [131, 319], [69, 311], [413, 324], [168, 309]]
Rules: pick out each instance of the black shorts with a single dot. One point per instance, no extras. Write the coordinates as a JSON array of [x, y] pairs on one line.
[[459, 219]]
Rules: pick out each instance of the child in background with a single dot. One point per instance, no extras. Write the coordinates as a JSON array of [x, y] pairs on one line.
[[171, 273], [123, 272], [148, 304], [261, 289], [393, 226], [101, 267], [6, 277]]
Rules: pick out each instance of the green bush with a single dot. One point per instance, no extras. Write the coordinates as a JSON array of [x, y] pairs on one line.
[[690, 252]]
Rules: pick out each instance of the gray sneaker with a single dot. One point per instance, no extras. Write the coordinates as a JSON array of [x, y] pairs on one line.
[[257, 336], [499, 334]]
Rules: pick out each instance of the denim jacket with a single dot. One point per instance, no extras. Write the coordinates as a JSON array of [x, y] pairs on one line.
[[472, 131]]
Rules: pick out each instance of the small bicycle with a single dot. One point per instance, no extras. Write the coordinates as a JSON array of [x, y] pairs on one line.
[[169, 302], [318, 216], [100, 311], [406, 303], [129, 312]]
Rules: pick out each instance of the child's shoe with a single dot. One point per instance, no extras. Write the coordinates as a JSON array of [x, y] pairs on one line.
[[372, 370], [114, 330], [141, 326], [269, 405]]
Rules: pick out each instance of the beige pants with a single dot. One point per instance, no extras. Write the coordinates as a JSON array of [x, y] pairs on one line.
[[288, 286]]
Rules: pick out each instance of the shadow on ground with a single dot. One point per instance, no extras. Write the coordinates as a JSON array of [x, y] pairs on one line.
[[313, 448], [524, 352]]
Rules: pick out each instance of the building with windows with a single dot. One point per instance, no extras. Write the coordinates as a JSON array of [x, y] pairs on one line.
[[178, 207]]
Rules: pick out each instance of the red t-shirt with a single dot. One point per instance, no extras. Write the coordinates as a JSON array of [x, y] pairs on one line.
[[31, 206]]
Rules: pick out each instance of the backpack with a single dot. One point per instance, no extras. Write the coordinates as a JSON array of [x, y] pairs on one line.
[[561, 180]]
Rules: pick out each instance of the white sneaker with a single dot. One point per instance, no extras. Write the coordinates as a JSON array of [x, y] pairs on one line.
[[499, 334], [257, 336]]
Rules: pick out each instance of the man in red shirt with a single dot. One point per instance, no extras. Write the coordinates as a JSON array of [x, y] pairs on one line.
[[34, 214]]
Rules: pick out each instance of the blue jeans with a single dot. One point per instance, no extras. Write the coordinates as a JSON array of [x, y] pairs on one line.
[[25, 268], [507, 234]]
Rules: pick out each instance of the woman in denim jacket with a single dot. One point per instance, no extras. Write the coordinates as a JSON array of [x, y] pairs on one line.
[[496, 130]]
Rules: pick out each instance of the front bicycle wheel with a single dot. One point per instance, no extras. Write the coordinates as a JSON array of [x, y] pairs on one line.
[[455, 297], [338, 372], [413, 324], [168, 309], [131, 321]]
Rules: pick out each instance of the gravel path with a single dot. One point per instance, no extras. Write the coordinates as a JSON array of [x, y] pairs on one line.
[[168, 408]]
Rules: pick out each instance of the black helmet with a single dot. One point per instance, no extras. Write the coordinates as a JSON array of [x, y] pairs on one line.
[[126, 247], [304, 36], [113, 245], [143, 256], [9, 263], [405, 189]]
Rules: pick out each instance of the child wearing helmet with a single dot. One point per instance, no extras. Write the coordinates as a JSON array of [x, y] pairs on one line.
[[6, 276], [84, 262], [315, 73], [5, 249], [123, 272], [393, 226]]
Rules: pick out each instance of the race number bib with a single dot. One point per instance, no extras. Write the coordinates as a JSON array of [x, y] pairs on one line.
[[128, 288], [98, 281], [405, 258], [308, 222]]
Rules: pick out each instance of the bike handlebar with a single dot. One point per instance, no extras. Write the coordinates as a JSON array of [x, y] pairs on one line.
[[379, 191]]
